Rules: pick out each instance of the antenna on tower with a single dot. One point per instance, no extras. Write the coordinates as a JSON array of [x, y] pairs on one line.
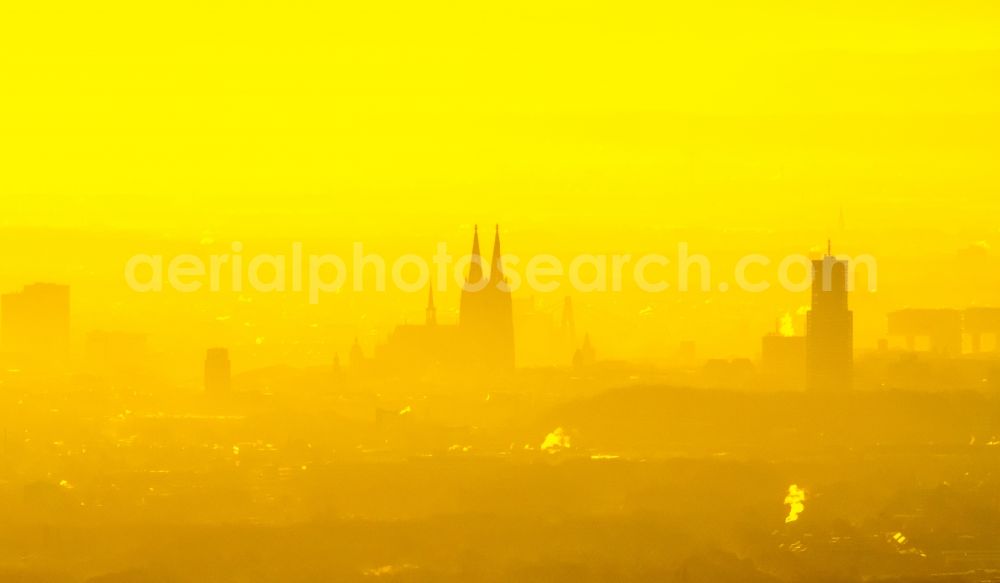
[[829, 248]]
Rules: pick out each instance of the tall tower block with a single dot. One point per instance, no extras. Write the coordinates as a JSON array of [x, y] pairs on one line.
[[829, 328]]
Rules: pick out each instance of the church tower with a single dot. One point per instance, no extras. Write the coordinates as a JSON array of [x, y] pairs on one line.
[[432, 318], [470, 312], [486, 311], [501, 309]]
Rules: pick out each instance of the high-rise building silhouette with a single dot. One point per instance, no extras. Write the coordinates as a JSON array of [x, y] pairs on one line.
[[829, 328], [35, 328], [218, 372]]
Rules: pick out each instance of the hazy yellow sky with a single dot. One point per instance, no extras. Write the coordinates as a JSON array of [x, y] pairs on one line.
[[593, 126], [187, 114]]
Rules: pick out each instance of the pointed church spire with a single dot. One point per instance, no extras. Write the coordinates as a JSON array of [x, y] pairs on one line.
[[431, 310], [568, 324], [476, 266], [486, 313], [585, 355], [357, 356], [496, 266]]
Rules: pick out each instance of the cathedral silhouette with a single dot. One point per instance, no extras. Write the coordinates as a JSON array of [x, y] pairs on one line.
[[481, 343]]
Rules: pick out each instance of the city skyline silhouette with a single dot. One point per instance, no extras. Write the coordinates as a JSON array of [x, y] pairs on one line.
[[731, 315]]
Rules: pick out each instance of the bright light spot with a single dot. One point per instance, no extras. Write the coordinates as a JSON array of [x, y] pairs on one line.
[[388, 570], [556, 440], [787, 327], [795, 499]]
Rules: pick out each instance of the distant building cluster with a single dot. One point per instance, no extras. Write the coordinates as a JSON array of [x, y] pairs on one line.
[[944, 348], [946, 330]]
